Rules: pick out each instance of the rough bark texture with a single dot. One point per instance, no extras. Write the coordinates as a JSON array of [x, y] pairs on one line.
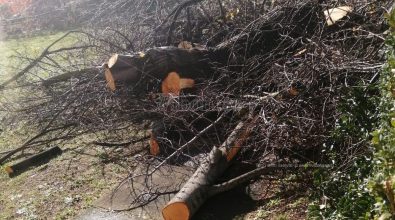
[[69, 75], [195, 192], [200, 186], [153, 66], [34, 160]]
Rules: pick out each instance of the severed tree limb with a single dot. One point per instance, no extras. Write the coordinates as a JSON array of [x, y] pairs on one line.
[[195, 192], [228, 185], [201, 185], [34, 160], [25, 145], [268, 36], [68, 75], [155, 64]]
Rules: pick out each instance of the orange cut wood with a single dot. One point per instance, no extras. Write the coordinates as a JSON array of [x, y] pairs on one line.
[[154, 146], [176, 211], [110, 79], [9, 170], [173, 84], [241, 140], [237, 146], [187, 83]]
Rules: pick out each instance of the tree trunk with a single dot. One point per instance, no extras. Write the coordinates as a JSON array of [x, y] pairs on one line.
[[154, 66], [261, 37], [201, 185]]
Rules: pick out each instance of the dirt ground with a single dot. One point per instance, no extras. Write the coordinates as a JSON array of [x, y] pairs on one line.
[[59, 189], [69, 185]]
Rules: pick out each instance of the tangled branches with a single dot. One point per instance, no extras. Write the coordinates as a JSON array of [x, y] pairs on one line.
[[279, 60]]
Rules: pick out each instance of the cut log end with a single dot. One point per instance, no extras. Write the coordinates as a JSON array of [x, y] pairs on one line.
[[35, 160], [9, 170], [176, 211], [113, 60], [173, 84], [187, 83], [110, 79], [154, 146]]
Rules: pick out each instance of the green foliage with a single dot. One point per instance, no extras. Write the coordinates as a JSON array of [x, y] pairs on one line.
[[365, 190], [382, 182], [341, 190]]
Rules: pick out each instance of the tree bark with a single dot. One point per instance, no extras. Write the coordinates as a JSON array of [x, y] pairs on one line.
[[67, 76], [201, 185], [261, 37], [34, 160], [154, 65]]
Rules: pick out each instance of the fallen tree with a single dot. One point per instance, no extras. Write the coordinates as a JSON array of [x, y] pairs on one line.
[[140, 69], [290, 63]]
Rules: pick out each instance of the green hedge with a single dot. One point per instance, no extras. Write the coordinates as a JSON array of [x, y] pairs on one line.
[[365, 190], [382, 183]]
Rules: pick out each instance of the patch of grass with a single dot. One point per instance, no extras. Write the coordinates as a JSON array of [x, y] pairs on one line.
[[273, 203], [262, 214], [31, 47], [299, 202], [281, 217], [69, 184], [11, 135]]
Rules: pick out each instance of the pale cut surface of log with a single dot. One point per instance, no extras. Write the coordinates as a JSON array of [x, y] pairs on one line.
[[121, 69]]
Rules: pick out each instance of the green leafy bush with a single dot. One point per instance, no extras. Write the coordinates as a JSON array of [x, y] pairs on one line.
[[341, 191], [365, 188], [382, 182]]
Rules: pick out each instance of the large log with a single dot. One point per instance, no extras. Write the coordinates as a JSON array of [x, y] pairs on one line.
[[147, 70], [155, 65], [201, 185]]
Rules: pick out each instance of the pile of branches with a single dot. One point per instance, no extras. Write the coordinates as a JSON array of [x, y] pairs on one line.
[[279, 63]]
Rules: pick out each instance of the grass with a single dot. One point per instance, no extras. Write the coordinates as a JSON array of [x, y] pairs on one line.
[[10, 64], [67, 184], [59, 189], [28, 46]]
